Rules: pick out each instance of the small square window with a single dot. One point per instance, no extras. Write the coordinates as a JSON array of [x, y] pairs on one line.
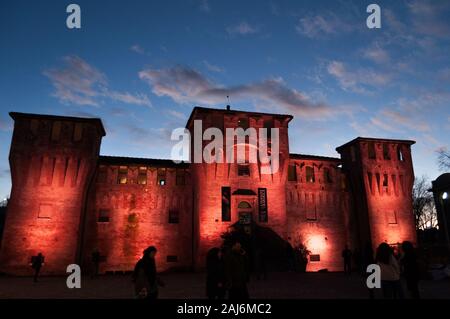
[[314, 258], [142, 176], [243, 170], [45, 211], [123, 175], [310, 178], [103, 216], [174, 216], [161, 176], [78, 132]]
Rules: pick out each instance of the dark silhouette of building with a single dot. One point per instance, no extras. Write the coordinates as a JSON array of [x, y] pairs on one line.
[[441, 193], [66, 199]]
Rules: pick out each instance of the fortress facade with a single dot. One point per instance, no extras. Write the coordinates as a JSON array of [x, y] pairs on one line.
[[68, 200]]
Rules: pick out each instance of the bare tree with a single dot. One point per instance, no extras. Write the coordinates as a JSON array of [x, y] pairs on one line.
[[443, 158], [423, 204]]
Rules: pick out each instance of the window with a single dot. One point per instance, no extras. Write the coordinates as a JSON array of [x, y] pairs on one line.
[[174, 216], [172, 259], [353, 153], [243, 123], [56, 131], [310, 178], [181, 177], [123, 175], [243, 170], [391, 217], [78, 132], [34, 127], [385, 180], [292, 173], [386, 153], [244, 205], [226, 204], [400, 156], [314, 258], [103, 216], [142, 176], [102, 174], [371, 148], [161, 176], [45, 211], [268, 125], [327, 175]]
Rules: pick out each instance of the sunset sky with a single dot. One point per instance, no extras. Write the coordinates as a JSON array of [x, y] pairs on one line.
[[141, 66]]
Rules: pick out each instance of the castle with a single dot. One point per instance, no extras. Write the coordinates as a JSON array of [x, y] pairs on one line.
[[68, 200]]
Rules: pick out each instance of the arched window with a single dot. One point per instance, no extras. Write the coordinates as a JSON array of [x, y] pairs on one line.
[[244, 205]]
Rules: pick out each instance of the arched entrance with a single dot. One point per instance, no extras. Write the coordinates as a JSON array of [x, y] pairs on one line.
[[245, 212]]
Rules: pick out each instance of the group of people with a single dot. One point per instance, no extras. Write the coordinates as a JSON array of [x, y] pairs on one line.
[[393, 266], [227, 272]]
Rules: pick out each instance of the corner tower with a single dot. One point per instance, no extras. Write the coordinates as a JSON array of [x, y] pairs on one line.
[[53, 160], [381, 178]]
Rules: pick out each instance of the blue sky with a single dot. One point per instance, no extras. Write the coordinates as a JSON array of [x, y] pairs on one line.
[[142, 65]]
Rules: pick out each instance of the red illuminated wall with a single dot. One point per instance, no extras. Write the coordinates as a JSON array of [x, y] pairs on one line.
[[319, 210], [138, 215], [66, 200]]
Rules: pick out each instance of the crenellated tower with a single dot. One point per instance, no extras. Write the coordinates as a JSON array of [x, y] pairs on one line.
[[53, 161], [381, 178]]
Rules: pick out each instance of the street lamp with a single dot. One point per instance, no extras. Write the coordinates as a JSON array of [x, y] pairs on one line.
[[444, 195]]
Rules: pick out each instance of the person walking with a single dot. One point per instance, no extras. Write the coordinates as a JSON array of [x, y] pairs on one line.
[[237, 272], [390, 272], [36, 264], [215, 277], [410, 269], [347, 256], [145, 276]]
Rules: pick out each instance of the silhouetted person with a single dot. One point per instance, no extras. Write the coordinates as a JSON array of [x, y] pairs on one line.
[[144, 276], [36, 264], [347, 256], [260, 263], [95, 262], [215, 277], [390, 272], [290, 255], [410, 269], [236, 272]]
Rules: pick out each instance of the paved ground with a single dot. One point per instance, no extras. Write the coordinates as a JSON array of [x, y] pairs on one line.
[[192, 286]]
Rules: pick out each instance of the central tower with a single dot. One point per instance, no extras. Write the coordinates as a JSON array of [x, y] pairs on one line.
[[227, 193]]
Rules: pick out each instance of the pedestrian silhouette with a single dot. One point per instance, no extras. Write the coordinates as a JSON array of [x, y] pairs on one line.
[[390, 272], [347, 256], [237, 272], [95, 262], [145, 277], [410, 269], [36, 264], [215, 277]]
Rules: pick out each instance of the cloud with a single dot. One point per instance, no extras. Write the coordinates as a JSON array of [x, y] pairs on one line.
[[212, 67], [187, 86], [5, 126], [78, 82], [322, 25], [177, 115], [137, 49], [430, 17], [5, 173], [356, 80], [376, 54], [204, 6], [242, 28]]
